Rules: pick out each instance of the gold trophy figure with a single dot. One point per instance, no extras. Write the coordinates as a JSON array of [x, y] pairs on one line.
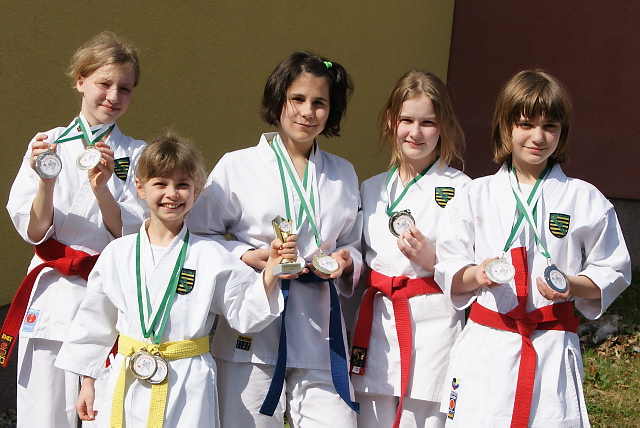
[[283, 228]]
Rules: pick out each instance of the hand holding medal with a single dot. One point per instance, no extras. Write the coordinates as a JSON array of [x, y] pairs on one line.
[[44, 160]]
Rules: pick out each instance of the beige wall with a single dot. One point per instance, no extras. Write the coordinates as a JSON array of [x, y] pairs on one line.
[[204, 64]]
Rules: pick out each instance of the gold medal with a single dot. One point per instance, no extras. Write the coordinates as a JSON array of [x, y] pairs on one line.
[[162, 370], [325, 264], [143, 364]]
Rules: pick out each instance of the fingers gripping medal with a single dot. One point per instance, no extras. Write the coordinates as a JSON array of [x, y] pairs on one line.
[[500, 271], [401, 221], [282, 229], [325, 264], [556, 279], [89, 158], [48, 164]]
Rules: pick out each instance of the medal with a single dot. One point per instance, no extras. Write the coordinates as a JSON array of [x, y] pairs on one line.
[[325, 264], [401, 221], [162, 370], [48, 164], [89, 158], [142, 364], [500, 271], [556, 279]]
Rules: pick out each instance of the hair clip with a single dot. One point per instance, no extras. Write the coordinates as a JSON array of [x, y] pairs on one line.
[[328, 64]]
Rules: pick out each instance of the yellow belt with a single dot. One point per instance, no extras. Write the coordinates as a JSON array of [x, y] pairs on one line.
[[127, 346]]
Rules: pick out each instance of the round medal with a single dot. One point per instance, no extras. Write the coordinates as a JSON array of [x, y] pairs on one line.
[[500, 271], [89, 158], [325, 264], [556, 279], [162, 370], [401, 221], [143, 364], [48, 164]]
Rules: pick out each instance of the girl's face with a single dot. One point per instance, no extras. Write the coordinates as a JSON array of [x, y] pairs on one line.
[[169, 198], [418, 132], [306, 110], [106, 93], [533, 141]]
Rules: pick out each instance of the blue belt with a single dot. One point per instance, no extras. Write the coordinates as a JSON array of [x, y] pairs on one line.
[[337, 354]]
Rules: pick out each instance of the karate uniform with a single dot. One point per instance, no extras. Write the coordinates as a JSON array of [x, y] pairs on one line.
[[485, 360], [78, 223], [221, 285], [242, 196], [434, 321]]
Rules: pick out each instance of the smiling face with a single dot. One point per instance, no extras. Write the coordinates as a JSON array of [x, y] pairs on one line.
[[169, 198], [305, 112], [533, 142], [106, 93], [418, 132]]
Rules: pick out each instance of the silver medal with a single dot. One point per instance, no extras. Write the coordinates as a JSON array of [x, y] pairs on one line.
[[143, 364], [162, 370], [89, 158], [48, 164], [325, 264], [556, 279], [401, 221], [500, 271]]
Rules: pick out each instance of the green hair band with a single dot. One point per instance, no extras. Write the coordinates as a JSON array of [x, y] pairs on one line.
[[328, 64]]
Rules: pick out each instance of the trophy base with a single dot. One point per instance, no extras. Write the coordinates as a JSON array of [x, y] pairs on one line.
[[287, 269]]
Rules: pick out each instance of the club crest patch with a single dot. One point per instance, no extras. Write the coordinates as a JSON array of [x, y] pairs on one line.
[[559, 224], [243, 342], [186, 281], [444, 195], [30, 320], [122, 168]]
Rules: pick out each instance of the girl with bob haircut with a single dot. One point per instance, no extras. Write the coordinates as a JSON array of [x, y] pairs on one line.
[[75, 192], [406, 327], [159, 292], [299, 362], [522, 248]]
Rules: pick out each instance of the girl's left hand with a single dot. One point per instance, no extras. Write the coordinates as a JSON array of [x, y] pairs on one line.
[[549, 293], [100, 174], [417, 248], [345, 265]]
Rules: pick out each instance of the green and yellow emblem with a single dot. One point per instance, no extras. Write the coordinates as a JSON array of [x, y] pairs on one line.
[[444, 195], [186, 281], [122, 168], [559, 224]]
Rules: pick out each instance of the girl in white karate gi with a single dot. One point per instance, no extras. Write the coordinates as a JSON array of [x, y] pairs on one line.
[[518, 362], [160, 291], [406, 326], [288, 175], [70, 218]]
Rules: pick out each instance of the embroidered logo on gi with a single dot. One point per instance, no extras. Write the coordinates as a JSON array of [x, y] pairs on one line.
[[30, 320], [453, 397], [243, 342], [122, 168], [358, 356], [559, 224], [186, 281], [444, 195]]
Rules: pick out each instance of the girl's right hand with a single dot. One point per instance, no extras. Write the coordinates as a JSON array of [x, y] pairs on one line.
[[40, 146], [86, 398]]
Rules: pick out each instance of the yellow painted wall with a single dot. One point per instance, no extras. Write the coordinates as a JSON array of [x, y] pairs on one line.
[[204, 64]]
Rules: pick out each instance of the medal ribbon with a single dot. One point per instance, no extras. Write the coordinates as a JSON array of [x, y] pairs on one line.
[[91, 134], [525, 210], [393, 173], [153, 324], [307, 191]]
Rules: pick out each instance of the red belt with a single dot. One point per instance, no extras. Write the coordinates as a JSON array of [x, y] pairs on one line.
[[55, 255], [559, 316], [399, 289]]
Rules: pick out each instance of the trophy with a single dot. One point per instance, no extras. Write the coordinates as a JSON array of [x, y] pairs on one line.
[[282, 228]]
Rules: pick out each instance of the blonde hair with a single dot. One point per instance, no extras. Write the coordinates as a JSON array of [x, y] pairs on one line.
[[104, 49], [168, 155], [412, 85], [530, 93]]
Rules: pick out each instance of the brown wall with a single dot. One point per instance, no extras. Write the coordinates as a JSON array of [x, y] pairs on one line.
[[591, 46], [204, 64]]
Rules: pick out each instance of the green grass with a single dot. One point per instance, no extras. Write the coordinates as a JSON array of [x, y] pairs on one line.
[[612, 369]]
